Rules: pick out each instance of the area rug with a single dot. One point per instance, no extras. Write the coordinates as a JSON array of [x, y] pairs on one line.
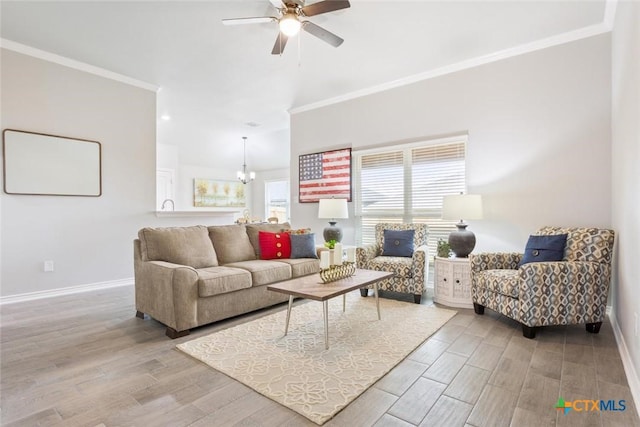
[[297, 372]]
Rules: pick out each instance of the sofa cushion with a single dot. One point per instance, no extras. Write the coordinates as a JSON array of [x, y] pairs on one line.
[[231, 243], [254, 229], [274, 245], [398, 243], [303, 245], [302, 266], [544, 248], [505, 282], [264, 272], [401, 266], [220, 280], [179, 245]]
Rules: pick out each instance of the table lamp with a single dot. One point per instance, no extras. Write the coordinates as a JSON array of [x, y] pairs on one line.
[[332, 209], [467, 206]]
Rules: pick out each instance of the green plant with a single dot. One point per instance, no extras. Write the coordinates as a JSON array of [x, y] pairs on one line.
[[443, 248], [331, 244]]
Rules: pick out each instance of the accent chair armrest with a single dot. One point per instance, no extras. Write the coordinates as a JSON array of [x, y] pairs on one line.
[[420, 267], [494, 261], [366, 253], [563, 284]]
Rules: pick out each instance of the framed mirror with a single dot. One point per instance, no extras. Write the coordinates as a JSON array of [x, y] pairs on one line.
[[41, 164]]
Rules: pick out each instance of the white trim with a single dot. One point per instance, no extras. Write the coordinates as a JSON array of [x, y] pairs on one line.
[[581, 33], [610, 13], [629, 369], [76, 65], [66, 291], [421, 142]]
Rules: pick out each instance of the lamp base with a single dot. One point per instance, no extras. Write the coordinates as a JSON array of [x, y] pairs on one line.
[[462, 241], [332, 232]]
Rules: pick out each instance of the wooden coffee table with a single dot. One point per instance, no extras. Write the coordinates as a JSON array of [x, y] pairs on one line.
[[311, 287]]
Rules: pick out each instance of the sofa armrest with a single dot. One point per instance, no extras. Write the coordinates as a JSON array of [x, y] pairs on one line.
[[420, 267], [167, 292], [494, 261], [366, 253], [574, 289]]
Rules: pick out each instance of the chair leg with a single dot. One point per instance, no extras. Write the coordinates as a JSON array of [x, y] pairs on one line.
[[479, 309], [528, 332], [364, 292], [417, 298], [594, 328], [139, 314], [173, 334]]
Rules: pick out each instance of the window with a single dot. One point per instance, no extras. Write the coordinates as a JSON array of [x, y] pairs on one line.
[[277, 200], [406, 184]]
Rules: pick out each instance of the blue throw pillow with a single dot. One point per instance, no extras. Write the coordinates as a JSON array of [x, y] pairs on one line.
[[398, 243], [544, 248], [303, 246]]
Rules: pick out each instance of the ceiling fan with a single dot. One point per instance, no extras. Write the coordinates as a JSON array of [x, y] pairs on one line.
[[290, 20]]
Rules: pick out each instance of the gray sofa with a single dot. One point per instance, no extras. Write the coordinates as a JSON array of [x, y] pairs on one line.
[[191, 276]]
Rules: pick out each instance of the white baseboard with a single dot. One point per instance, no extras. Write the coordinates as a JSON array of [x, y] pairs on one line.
[[629, 369], [65, 291]]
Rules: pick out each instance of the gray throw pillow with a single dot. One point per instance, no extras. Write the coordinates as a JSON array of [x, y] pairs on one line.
[[303, 246]]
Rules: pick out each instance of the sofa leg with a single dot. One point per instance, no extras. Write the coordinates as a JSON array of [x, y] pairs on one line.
[[594, 328], [417, 298], [173, 334], [364, 292], [528, 332], [479, 309], [139, 314]]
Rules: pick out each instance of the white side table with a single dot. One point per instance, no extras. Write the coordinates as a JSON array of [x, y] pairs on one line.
[[452, 284]]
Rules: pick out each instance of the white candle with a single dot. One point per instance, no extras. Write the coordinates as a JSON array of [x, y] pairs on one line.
[[324, 259], [338, 255], [351, 254]]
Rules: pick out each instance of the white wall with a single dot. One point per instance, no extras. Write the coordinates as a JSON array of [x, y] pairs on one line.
[[626, 177], [539, 147], [88, 238]]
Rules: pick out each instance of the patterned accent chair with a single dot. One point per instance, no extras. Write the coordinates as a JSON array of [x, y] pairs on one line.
[[571, 291], [410, 273]]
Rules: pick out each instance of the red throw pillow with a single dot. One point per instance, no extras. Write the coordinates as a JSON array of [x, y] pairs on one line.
[[274, 245]]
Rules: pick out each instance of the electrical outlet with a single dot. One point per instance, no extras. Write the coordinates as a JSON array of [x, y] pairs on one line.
[[48, 266]]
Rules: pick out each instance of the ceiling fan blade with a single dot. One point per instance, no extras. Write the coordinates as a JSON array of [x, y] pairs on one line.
[[242, 21], [324, 7], [281, 42], [322, 34]]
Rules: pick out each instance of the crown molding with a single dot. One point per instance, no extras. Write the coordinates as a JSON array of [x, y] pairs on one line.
[[593, 30], [77, 65]]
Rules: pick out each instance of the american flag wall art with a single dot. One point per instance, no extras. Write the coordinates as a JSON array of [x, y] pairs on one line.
[[324, 175]]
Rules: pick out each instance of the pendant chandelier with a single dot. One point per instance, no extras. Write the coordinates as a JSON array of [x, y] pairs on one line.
[[243, 176]]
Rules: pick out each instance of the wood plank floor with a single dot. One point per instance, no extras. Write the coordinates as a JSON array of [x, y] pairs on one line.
[[86, 360]]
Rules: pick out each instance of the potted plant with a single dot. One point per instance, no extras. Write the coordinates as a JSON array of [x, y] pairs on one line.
[[443, 248]]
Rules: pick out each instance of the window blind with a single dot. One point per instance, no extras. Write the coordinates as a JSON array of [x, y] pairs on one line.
[[407, 184]]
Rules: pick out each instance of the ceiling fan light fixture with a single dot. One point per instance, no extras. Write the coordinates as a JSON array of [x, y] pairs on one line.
[[289, 24]]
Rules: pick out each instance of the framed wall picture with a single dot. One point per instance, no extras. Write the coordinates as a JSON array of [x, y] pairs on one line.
[[50, 165], [213, 193], [324, 175]]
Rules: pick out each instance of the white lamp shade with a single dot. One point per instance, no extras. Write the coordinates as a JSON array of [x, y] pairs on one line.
[[333, 208], [462, 206]]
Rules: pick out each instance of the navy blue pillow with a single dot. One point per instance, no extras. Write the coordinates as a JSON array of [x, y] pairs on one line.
[[544, 248], [303, 245], [398, 243]]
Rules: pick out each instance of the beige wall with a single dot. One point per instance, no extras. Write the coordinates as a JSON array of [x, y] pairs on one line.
[[626, 179], [539, 147], [88, 238]]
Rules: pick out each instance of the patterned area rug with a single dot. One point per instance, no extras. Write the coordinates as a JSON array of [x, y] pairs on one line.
[[297, 372]]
